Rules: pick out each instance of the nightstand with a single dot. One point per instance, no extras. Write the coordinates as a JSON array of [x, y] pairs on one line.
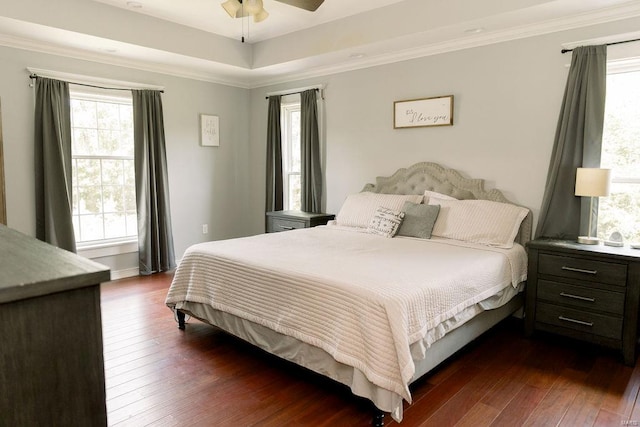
[[288, 220], [587, 292]]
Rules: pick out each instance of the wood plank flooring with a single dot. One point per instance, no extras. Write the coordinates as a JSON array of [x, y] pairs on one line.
[[160, 376]]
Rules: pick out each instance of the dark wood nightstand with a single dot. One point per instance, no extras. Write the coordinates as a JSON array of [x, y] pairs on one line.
[[588, 292], [288, 220]]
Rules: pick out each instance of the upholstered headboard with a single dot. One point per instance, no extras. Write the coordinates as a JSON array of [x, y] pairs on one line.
[[433, 177]]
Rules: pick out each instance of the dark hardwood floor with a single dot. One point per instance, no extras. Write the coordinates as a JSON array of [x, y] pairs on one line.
[[158, 375]]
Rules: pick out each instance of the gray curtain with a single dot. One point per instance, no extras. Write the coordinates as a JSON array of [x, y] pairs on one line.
[[53, 164], [155, 239], [578, 143], [311, 175], [275, 190]]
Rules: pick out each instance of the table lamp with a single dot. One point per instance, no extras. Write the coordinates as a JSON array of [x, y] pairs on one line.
[[592, 182]]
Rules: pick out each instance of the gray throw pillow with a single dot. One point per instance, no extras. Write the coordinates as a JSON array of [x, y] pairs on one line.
[[418, 220]]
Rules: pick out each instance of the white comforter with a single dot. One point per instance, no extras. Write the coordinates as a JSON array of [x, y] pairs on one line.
[[362, 298]]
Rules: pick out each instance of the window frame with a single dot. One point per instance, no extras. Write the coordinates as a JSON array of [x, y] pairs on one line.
[[106, 246], [620, 66], [286, 110]]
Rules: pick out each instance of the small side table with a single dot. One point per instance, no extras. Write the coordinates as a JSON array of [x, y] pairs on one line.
[[587, 292], [289, 220]]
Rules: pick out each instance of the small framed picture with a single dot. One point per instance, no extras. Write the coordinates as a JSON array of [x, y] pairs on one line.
[[209, 130], [436, 111]]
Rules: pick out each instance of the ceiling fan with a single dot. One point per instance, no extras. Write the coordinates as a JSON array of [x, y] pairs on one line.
[[255, 8]]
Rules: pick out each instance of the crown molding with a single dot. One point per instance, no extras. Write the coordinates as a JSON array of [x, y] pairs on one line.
[[57, 50], [612, 14], [250, 79]]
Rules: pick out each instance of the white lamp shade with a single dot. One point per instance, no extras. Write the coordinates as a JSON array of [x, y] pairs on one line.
[[232, 7], [593, 182]]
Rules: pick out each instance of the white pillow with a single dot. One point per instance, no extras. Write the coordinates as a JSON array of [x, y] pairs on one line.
[[358, 209], [385, 222], [479, 221], [433, 195]]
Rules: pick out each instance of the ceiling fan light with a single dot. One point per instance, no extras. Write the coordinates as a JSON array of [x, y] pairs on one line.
[[260, 16], [253, 7], [232, 7]]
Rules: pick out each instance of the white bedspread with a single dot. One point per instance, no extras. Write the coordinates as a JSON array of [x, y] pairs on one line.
[[362, 298]]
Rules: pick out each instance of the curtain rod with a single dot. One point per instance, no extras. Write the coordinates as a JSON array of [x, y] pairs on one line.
[[293, 93], [34, 76], [608, 44]]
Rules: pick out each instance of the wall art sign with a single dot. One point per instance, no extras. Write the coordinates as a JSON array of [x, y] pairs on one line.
[[209, 130], [435, 111]]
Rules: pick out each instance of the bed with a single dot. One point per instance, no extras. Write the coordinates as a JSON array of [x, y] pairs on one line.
[[353, 303]]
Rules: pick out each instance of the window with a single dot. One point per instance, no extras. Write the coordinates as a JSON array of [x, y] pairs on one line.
[[621, 152], [291, 154], [104, 200]]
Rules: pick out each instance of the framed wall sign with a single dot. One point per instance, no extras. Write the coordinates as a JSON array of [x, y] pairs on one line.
[[209, 130], [436, 111]]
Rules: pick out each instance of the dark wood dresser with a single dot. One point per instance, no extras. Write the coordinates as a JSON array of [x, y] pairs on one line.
[[588, 292], [51, 360], [289, 220]]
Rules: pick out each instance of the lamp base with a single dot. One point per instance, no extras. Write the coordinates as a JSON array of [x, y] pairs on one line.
[[587, 240]]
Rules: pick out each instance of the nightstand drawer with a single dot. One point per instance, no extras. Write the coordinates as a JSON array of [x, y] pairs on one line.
[[583, 269], [587, 292], [281, 224], [593, 323], [581, 297]]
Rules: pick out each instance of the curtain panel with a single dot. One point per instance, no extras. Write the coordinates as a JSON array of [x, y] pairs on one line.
[[155, 238], [311, 174], [578, 143], [52, 140], [275, 196]]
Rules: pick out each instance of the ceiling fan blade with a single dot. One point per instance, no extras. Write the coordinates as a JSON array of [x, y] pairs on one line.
[[310, 5]]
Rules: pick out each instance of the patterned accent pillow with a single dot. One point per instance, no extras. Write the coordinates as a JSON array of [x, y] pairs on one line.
[[385, 222]]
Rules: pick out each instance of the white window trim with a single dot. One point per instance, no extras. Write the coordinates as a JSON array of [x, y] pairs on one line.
[[287, 108], [619, 66], [104, 247]]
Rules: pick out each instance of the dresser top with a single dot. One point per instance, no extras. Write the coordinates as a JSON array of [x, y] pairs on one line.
[[573, 247], [31, 268]]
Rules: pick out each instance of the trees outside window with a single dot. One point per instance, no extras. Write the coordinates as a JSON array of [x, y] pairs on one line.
[[104, 199], [291, 153], [620, 211]]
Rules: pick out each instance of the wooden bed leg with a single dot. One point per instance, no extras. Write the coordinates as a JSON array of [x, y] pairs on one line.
[[181, 317], [378, 418]]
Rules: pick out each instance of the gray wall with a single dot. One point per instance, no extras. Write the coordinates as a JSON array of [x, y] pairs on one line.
[[507, 100], [208, 185]]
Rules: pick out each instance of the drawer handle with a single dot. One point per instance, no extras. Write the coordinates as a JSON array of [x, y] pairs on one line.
[[284, 227], [579, 270], [581, 298], [579, 322]]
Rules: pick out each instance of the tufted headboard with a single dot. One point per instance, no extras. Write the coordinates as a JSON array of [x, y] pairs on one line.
[[433, 177]]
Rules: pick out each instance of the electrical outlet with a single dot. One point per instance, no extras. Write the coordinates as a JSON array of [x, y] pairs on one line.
[[205, 228]]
